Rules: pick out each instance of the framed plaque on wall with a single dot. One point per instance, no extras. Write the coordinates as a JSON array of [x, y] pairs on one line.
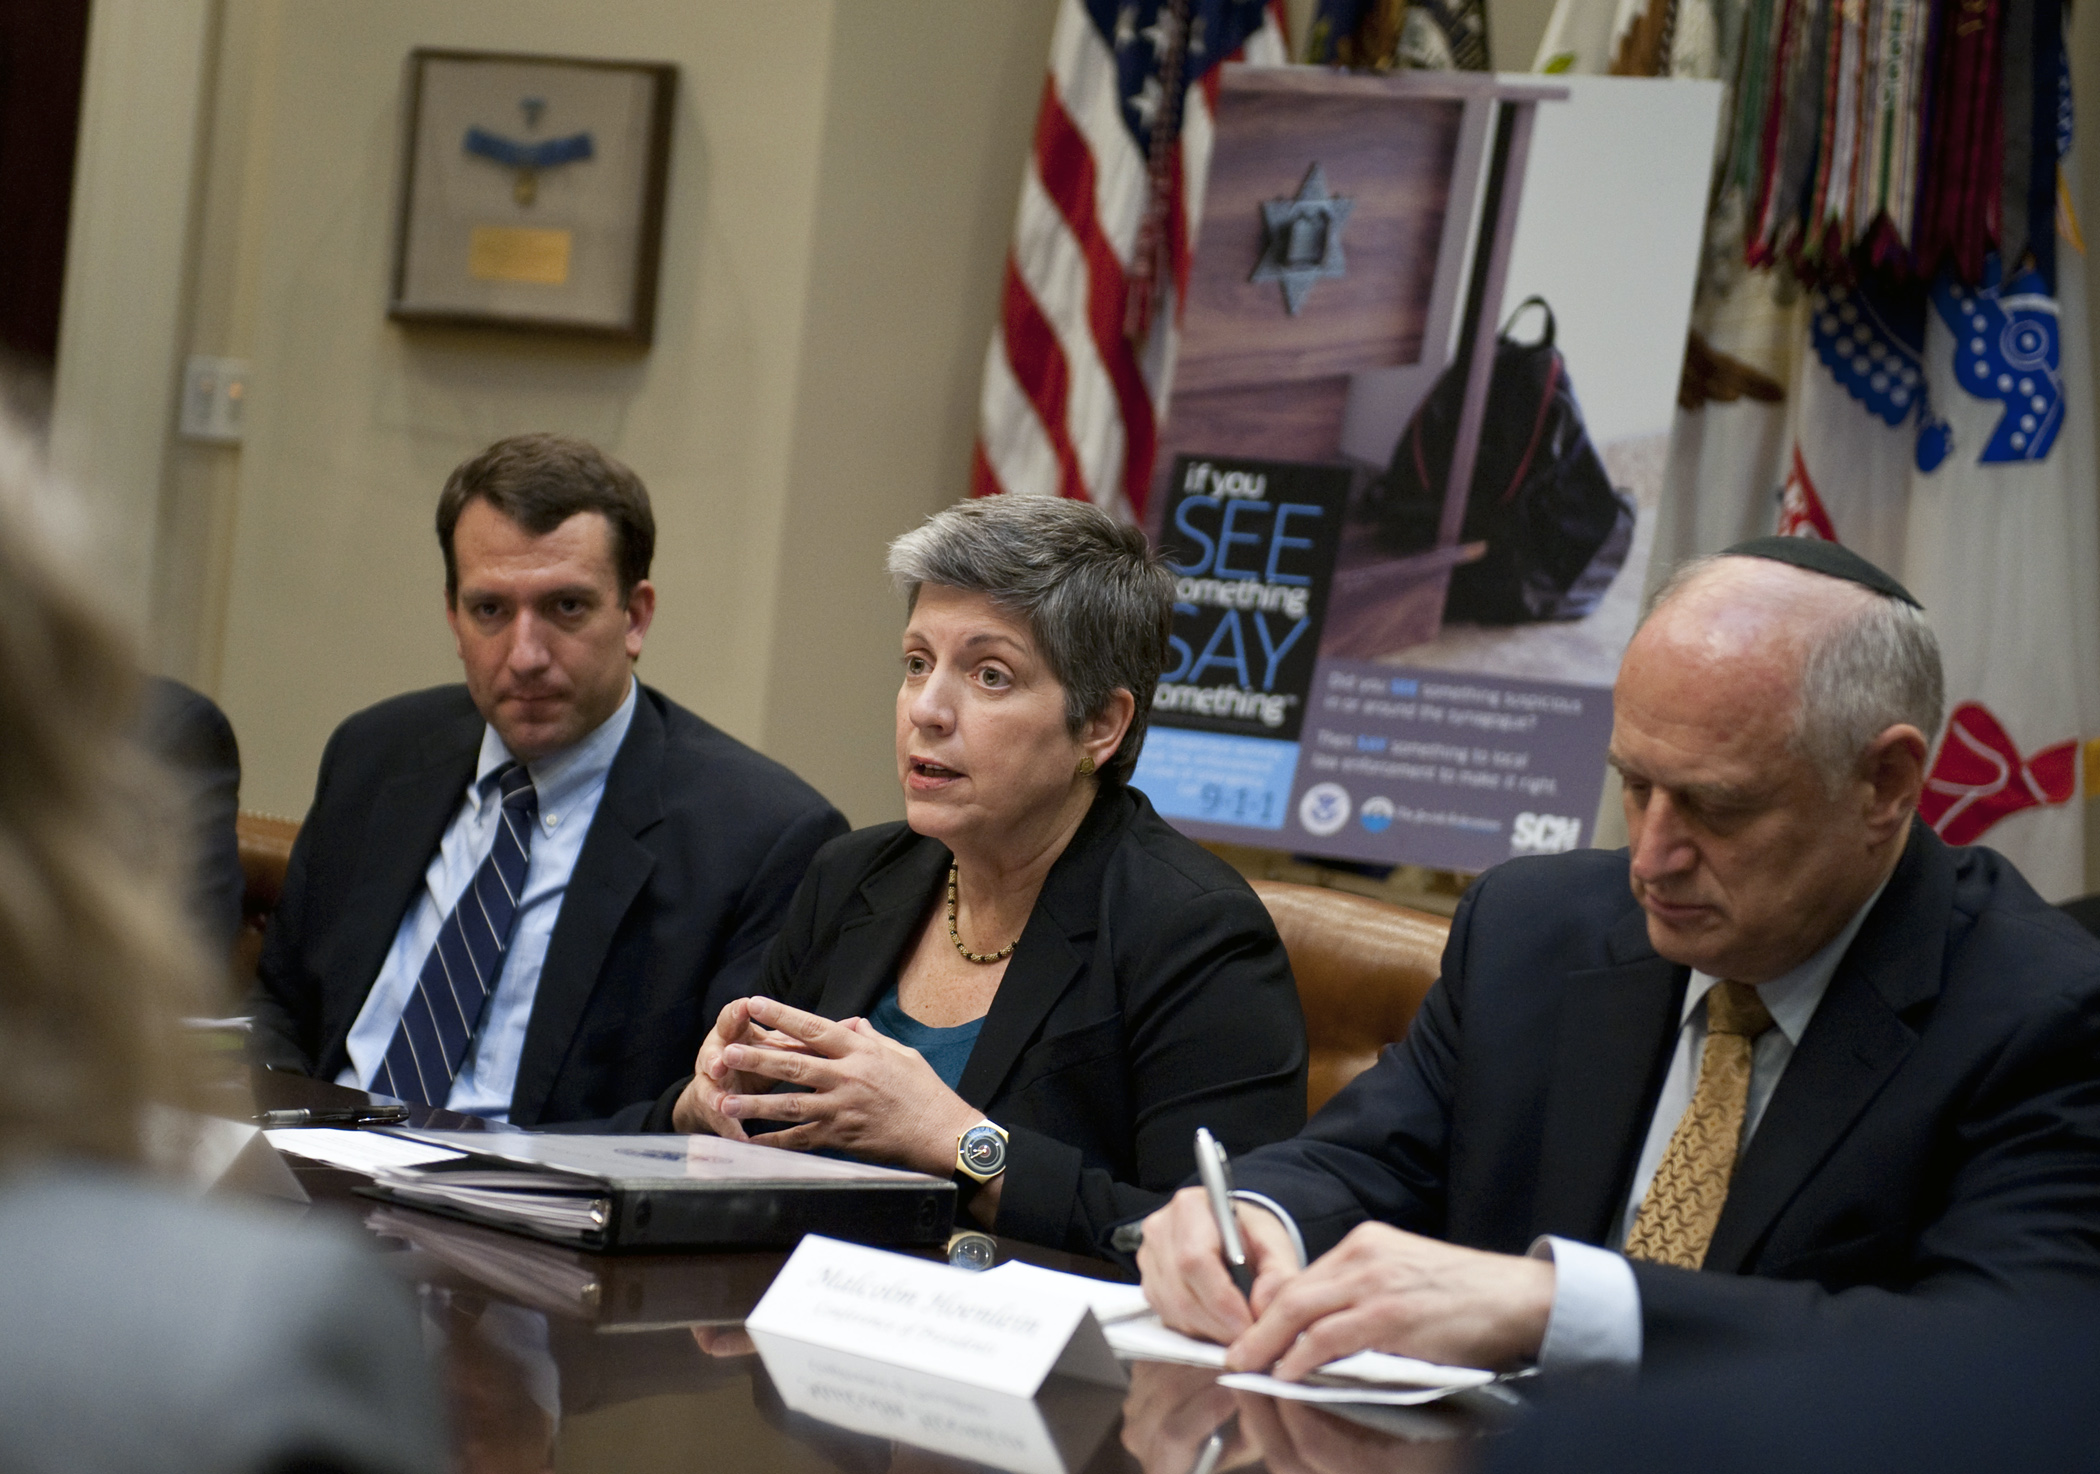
[[532, 193]]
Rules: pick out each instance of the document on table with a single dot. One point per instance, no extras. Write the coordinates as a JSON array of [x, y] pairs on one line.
[[1133, 1331], [1377, 1393], [1136, 1334], [1146, 1338], [356, 1151], [1368, 1376], [1110, 1300]]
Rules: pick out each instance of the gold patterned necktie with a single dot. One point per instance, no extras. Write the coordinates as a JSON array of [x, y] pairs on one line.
[[1677, 1218]]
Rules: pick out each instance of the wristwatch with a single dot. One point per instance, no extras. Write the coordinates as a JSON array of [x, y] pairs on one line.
[[980, 1153]]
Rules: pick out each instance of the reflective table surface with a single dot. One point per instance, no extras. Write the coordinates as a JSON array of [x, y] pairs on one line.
[[553, 1358]]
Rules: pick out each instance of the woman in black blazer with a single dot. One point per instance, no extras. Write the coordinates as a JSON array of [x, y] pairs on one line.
[[1033, 983]]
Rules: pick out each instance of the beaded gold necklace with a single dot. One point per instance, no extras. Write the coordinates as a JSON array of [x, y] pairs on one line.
[[999, 956]]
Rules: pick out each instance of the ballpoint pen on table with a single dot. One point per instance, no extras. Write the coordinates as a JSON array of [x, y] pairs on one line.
[[370, 1115], [1215, 1169]]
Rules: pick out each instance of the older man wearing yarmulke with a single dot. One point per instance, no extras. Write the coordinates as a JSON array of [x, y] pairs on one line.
[[1786, 1063]]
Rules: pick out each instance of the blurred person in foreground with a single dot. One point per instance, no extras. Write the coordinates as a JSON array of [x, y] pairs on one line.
[[139, 1328], [2004, 1387], [1032, 983], [1786, 1065], [524, 897]]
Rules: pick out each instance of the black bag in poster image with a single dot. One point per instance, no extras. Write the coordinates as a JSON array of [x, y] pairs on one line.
[[1252, 546], [1557, 531]]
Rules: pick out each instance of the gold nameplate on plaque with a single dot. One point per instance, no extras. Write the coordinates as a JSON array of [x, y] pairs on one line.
[[518, 253]]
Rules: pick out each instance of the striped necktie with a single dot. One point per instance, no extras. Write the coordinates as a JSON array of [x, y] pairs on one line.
[[460, 972]]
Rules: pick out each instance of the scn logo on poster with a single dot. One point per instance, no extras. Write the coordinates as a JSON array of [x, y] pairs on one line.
[[1543, 834]]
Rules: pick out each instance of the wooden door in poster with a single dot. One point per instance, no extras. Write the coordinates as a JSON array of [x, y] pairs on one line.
[[1413, 152]]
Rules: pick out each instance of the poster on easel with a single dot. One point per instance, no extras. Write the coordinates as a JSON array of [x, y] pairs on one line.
[[1490, 548], [1252, 546]]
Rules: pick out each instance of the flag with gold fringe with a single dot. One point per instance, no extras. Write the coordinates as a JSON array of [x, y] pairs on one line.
[[1889, 350]]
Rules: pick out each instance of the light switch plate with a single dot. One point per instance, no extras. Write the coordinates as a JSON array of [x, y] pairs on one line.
[[214, 399]]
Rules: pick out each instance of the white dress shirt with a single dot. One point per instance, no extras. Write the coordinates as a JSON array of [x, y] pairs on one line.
[[1596, 1317], [569, 784]]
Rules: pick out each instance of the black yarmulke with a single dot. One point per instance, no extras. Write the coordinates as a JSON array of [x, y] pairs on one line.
[[1832, 560]]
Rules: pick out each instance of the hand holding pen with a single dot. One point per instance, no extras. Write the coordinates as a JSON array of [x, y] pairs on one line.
[[1209, 1254], [1215, 1168]]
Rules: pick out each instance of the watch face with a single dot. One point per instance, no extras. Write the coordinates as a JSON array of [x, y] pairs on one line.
[[983, 1151], [972, 1250]]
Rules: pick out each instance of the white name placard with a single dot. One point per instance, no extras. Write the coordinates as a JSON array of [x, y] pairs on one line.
[[977, 1329]]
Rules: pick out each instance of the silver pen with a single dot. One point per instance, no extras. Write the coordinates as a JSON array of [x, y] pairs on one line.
[[1215, 1169], [1213, 1449]]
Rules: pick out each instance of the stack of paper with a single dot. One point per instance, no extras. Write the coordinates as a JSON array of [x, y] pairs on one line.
[[357, 1151], [544, 1201]]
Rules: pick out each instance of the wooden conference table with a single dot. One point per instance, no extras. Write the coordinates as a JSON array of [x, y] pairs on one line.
[[553, 1358]]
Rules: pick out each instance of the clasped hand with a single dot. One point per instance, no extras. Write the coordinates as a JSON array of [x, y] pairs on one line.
[[860, 1092], [1379, 1289]]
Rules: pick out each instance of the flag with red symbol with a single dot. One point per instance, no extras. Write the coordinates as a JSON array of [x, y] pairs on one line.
[[1979, 776], [1947, 435], [1890, 349], [1077, 374]]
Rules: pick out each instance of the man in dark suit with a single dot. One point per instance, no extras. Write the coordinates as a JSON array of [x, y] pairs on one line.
[[2008, 1386], [527, 897], [186, 730], [1800, 1061]]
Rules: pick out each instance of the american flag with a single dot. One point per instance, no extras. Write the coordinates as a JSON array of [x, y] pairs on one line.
[[1076, 379]]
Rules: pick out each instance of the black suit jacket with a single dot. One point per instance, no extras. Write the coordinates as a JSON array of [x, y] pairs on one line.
[[1936, 1131], [1148, 995], [186, 730], [2008, 1387], [697, 846]]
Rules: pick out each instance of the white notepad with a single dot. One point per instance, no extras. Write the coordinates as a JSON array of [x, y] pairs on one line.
[[368, 1152]]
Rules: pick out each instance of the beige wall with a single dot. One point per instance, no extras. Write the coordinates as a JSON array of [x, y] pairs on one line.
[[121, 328], [926, 130], [843, 183], [335, 588]]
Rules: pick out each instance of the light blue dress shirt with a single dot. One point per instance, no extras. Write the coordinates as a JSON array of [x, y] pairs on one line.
[[570, 783]]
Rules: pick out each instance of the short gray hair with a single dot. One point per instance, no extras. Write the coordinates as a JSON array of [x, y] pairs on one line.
[[1873, 669], [1095, 598]]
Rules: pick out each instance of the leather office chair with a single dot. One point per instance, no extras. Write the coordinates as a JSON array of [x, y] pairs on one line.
[[1363, 967], [266, 852]]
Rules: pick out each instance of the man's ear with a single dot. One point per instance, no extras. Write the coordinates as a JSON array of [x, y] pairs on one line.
[[452, 622], [1102, 737], [641, 609], [1894, 769]]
